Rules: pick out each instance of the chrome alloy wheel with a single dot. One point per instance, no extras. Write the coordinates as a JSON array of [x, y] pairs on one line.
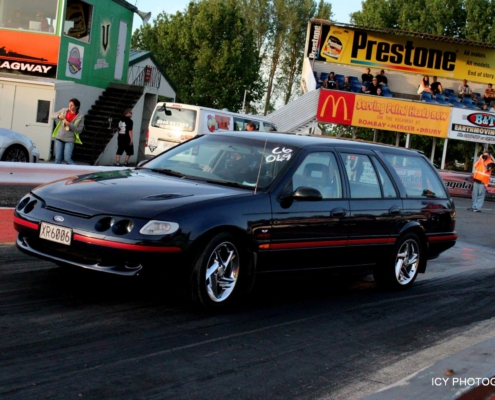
[[222, 271], [407, 262]]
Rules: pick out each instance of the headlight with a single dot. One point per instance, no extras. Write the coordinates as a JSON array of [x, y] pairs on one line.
[[159, 228]]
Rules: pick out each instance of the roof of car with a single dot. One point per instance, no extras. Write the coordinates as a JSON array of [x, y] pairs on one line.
[[314, 140]]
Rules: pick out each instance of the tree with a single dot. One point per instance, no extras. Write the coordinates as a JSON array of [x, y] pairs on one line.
[[209, 52]]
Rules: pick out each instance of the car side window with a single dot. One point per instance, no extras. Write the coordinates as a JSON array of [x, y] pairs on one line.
[[363, 179], [387, 185], [320, 171], [417, 176]]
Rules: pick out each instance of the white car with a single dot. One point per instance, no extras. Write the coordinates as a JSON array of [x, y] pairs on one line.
[[15, 147]]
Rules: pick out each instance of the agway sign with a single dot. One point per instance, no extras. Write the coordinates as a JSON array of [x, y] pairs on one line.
[[377, 112]]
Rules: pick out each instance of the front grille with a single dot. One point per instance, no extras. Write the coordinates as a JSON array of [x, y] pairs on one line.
[[73, 213], [69, 253]]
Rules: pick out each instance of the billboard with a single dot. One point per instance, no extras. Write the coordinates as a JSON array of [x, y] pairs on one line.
[[472, 126], [360, 47], [21, 53], [384, 113]]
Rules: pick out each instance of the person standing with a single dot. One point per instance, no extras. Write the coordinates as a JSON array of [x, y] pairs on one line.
[[124, 139], [382, 79], [66, 133], [482, 171], [367, 77]]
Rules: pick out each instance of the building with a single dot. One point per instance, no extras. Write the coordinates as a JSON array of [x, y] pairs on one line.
[[54, 50]]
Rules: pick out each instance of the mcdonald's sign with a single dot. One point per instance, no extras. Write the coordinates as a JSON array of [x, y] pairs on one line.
[[335, 107]]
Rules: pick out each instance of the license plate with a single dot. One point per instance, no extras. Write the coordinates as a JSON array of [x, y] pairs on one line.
[[56, 233]]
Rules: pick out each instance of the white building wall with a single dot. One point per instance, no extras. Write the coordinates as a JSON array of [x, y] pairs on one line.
[[140, 117]]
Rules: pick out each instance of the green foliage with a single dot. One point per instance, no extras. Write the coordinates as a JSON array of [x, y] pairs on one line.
[[208, 51]]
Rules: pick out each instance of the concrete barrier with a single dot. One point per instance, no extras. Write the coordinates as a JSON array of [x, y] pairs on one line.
[[13, 173]]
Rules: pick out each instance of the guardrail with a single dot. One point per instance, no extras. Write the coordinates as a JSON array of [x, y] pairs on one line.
[[14, 173]]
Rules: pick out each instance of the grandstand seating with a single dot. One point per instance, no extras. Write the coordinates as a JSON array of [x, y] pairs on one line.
[[440, 99], [356, 87], [426, 97], [449, 92], [354, 79], [323, 76]]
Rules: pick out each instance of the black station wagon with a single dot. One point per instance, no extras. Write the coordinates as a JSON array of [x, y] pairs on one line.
[[220, 209]]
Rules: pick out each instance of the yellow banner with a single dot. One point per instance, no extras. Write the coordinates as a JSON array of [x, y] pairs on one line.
[[408, 54], [401, 116]]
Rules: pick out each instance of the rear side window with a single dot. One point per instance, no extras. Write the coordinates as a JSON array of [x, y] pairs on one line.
[[417, 176], [363, 180]]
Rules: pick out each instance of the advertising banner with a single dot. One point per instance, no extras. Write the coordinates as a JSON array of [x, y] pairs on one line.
[[472, 126], [461, 184], [75, 56], [384, 113], [359, 47], [21, 53]]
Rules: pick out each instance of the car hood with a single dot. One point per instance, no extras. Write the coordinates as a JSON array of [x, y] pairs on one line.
[[138, 193]]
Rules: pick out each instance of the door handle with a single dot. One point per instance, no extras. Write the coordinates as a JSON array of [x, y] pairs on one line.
[[338, 212], [394, 211]]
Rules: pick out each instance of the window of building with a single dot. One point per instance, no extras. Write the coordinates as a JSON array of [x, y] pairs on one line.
[[78, 18], [29, 15], [43, 111]]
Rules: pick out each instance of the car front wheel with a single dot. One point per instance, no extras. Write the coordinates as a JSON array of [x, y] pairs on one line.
[[16, 154], [216, 270], [402, 268]]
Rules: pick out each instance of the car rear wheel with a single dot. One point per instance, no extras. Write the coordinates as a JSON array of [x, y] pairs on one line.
[[402, 268], [216, 270], [16, 154]]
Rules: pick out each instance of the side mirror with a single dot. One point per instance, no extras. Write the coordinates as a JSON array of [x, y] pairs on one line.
[[304, 193]]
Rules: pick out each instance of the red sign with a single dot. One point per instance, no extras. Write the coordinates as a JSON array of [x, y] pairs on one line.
[[335, 107], [147, 74]]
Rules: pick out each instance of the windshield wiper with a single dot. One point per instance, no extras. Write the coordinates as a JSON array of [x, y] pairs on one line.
[[231, 184], [168, 172]]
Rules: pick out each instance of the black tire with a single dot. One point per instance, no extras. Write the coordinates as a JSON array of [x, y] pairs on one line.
[[217, 270], [15, 153], [402, 268]]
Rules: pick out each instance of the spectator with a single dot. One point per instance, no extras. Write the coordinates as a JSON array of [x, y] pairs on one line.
[[487, 108], [66, 133], [18, 21], [124, 139], [464, 89], [436, 87], [382, 79], [424, 86], [372, 89], [489, 94], [379, 91], [330, 82], [482, 170], [251, 126], [367, 77], [346, 86]]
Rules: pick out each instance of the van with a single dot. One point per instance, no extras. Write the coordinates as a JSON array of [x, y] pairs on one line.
[[174, 123]]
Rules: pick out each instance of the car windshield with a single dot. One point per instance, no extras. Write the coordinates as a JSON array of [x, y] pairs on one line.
[[228, 160]]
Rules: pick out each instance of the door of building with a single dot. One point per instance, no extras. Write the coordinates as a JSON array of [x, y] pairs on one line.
[[31, 115]]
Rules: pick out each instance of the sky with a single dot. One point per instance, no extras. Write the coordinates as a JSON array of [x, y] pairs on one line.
[[341, 12]]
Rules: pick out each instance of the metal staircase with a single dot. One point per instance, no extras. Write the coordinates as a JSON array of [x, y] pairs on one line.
[[298, 116], [100, 123]]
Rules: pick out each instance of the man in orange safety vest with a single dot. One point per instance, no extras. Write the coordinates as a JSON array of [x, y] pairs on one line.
[[482, 171]]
